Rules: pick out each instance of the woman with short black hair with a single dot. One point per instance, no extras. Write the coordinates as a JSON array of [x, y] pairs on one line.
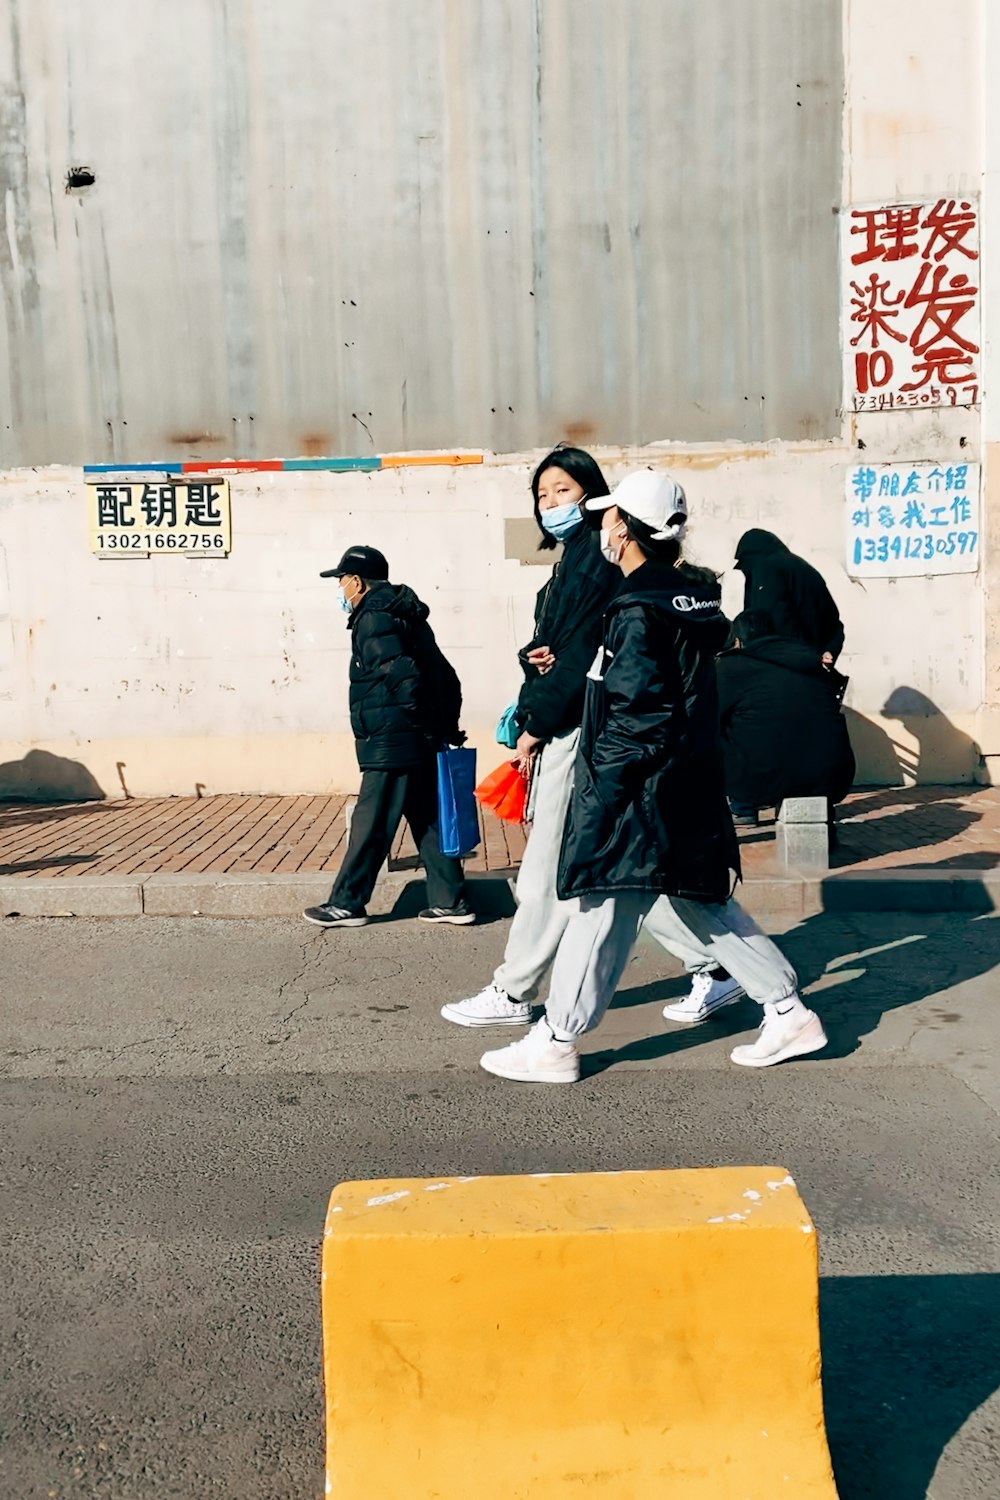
[[568, 615]]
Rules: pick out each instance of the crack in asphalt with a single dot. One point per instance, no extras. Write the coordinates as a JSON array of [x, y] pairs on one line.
[[146, 1041], [290, 985]]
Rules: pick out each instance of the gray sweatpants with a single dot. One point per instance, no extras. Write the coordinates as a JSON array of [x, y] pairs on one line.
[[602, 932], [702, 937], [540, 919]]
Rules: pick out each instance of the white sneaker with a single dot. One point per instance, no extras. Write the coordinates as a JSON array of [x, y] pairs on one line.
[[707, 995], [536, 1058], [491, 1007], [782, 1036]]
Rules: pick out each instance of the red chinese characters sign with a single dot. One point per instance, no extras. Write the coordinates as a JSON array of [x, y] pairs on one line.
[[911, 275]]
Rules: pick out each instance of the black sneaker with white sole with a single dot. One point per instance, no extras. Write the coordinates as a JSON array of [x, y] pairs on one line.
[[454, 916], [328, 915]]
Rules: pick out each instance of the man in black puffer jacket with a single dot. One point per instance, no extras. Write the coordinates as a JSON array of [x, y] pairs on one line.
[[405, 700]]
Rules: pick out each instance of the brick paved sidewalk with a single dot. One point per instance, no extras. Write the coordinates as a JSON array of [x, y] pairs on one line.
[[920, 827], [199, 835]]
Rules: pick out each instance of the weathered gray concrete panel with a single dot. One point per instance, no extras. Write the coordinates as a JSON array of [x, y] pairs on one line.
[[325, 227]]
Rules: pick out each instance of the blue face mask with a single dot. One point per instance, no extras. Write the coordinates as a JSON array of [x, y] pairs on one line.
[[561, 521], [344, 602]]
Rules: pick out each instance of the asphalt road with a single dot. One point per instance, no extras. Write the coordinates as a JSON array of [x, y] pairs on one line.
[[177, 1099]]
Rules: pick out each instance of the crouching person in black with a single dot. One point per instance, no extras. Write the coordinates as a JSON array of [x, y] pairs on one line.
[[405, 702], [783, 732]]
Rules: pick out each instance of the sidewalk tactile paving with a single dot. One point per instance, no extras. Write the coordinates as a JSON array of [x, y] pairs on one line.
[[927, 827]]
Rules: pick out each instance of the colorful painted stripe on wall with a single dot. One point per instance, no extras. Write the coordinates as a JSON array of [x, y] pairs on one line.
[[292, 465], [405, 460], [133, 468]]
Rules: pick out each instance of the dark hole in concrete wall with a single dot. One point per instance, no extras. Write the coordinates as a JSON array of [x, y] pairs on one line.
[[78, 178]]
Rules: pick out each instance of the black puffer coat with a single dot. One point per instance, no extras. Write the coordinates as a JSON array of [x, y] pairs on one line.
[[782, 729], [568, 616], [405, 695], [649, 810], [790, 590]]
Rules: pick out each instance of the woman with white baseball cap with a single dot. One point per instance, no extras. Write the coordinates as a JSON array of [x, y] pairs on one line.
[[649, 838]]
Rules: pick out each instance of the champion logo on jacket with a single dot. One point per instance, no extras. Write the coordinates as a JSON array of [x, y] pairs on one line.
[[696, 603], [685, 603], [694, 600]]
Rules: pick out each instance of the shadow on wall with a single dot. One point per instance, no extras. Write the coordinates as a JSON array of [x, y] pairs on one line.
[[874, 751], [41, 777], [943, 755]]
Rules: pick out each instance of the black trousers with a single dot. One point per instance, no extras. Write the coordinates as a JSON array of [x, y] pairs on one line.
[[386, 797]]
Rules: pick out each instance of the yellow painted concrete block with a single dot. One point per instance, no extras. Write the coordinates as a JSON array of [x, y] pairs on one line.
[[630, 1335]]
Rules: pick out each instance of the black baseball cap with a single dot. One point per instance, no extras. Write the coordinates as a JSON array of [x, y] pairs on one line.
[[362, 562]]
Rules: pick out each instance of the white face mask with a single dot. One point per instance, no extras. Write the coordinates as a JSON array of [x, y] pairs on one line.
[[610, 549], [347, 605], [562, 520]]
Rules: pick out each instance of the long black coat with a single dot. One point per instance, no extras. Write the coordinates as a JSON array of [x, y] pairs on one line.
[[791, 591], [405, 695], [569, 613], [649, 810], [782, 729]]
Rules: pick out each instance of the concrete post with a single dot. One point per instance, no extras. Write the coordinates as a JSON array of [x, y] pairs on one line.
[[803, 833]]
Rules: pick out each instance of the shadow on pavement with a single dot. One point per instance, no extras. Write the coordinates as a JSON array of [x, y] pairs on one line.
[[906, 1361], [55, 862], [906, 965], [13, 815], [916, 827], [491, 901]]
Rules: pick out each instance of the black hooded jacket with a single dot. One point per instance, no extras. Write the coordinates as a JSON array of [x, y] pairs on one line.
[[782, 729], [405, 695], [568, 615], [649, 810], [790, 590]]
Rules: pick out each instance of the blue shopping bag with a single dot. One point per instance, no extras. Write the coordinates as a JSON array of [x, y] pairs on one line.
[[458, 814]]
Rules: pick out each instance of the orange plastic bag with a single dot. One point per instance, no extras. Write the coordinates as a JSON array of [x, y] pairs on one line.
[[505, 792]]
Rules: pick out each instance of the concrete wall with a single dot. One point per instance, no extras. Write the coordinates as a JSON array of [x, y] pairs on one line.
[[907, 138], [166, 674], [990, 49]]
